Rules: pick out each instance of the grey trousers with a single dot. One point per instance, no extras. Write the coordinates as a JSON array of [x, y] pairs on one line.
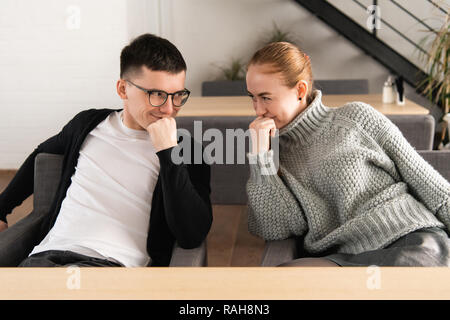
[[428, 247]]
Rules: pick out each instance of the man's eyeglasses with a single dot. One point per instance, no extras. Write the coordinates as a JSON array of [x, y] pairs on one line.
[[158, 97]]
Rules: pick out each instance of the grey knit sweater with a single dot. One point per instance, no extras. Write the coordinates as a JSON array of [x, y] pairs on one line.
[[348, 180]]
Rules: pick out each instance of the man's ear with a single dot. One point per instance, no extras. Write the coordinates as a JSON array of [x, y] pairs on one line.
[[121, 89]]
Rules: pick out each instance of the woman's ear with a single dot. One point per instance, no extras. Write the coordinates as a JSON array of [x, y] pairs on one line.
[[121, 89], [302, 89]]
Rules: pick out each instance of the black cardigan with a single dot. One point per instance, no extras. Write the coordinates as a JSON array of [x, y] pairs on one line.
[[181, 207]]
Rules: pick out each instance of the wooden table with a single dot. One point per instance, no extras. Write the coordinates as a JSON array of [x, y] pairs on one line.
[[256, 283], [242, 106]]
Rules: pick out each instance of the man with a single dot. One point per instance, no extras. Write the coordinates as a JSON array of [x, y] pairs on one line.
[[122, 201]]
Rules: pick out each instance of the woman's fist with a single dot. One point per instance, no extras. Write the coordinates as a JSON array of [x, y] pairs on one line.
[[261, 129]]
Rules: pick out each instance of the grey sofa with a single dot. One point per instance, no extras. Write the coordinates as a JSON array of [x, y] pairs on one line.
[[224, 88], [228, 180], [17, 241], [239, 87], [227, 184], [343, 86]]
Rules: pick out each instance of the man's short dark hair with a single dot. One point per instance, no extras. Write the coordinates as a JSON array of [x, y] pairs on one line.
[[155, 53]]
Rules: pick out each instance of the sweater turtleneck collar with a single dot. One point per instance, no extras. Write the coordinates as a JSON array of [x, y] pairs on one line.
[[308, 121]]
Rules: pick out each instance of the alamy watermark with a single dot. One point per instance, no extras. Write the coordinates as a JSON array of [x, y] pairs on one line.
[[74, 280], [219, 149], [73, 20], [374, 19], [374, 280]]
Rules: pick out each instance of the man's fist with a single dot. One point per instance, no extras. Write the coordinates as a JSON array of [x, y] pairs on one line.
[[163, 133], [261, 129]]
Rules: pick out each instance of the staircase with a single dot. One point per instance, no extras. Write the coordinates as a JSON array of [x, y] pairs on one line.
[[371, 24]]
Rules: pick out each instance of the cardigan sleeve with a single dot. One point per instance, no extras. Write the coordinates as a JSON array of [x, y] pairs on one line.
[[22, 184], [273, 211], [186, 197]]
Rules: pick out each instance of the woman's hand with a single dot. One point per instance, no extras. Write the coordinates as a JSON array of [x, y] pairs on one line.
[[261, 129], [3, 226]]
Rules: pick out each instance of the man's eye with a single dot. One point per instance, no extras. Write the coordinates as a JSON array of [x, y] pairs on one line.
[[266, 99]]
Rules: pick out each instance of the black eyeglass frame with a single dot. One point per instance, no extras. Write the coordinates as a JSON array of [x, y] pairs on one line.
[[150, 91]]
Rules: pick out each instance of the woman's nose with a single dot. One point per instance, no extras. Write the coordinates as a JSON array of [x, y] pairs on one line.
[[259, 109]]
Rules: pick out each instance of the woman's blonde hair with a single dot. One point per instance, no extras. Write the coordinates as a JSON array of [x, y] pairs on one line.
[[289, 60]]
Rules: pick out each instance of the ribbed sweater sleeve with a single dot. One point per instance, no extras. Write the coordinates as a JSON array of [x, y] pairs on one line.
[[423, 181], [273, 211]]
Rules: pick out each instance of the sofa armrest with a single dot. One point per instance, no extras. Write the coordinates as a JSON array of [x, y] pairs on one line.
[[189, 257], [439, 160], [17, 241], [47, 175], [278, 252], [418, 129]]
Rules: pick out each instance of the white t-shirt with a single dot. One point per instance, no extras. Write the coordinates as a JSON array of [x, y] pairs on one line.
[[106, 211]]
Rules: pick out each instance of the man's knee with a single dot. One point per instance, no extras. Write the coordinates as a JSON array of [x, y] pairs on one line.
[[37, 262]]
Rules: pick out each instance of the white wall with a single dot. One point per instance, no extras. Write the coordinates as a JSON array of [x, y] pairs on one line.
[[50, 71]]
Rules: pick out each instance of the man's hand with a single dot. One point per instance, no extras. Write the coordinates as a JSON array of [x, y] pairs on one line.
[[163, 133], [3, 226], [261, 129]]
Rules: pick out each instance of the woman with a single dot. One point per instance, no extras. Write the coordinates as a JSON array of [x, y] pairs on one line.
[[348, 181]]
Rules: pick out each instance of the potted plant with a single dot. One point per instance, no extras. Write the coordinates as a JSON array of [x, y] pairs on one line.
[[235, 71], [437, 85], [231, 81], [278, 35]]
